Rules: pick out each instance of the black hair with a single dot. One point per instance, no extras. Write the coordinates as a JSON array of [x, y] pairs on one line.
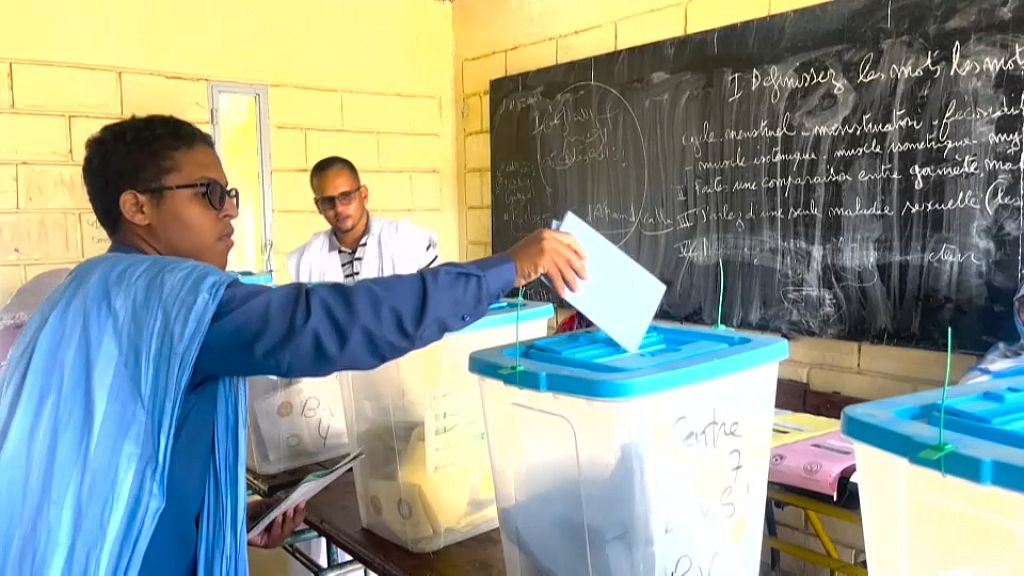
[[133, 154], [330, 163]]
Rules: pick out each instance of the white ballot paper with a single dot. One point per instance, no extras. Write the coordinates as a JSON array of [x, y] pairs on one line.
[[305, 490], [620, 296]]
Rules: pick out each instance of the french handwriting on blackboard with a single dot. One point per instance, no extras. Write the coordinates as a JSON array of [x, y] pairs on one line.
[[858, 170]]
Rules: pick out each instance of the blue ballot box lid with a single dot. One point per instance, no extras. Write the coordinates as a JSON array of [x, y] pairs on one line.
[[984, 424], [504, 313], [590, 364]]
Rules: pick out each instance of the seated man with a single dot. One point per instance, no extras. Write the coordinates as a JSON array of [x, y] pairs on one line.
[[122, 407], [356, 246]]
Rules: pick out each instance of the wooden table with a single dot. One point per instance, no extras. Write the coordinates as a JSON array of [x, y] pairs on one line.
[[267, 485], [334, 514]]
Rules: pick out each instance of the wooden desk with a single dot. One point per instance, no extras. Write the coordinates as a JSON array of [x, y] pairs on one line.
[[334, 514], [266, 486]]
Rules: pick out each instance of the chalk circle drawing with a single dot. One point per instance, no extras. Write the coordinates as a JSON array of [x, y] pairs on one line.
[[588, 140]]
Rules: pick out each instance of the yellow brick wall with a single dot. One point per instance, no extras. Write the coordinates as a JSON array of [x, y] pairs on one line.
[[539, 33], [370, 81], [50, 111]]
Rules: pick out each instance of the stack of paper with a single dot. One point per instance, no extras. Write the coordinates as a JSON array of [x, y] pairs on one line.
[[310, 486]]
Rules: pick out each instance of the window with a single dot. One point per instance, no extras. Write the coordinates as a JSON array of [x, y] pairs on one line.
[[241, 131]]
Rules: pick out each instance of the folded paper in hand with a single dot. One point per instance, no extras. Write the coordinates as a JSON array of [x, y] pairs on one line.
[[620, 296], [306, 489]]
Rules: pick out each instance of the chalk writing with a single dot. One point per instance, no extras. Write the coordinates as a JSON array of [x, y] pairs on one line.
[[877, 208], [790, 181], [604, 213], [656, 224], [826, 171], [1014, 139], [964, 199], [697, 143], [733, 162], [932, 66], [519, 102], [868, 256], [965, 66], [744, 185], [958, 112], [576, 149], [763, 130], [584, 135], [930, 141], [899, 120], [964, 166], [885, 172], [565, 117], [777, 155], [776, 81], [996, 165], [951, 253], [514, 184], [871, 147], [693, 249], [996, 196], [868, 71]]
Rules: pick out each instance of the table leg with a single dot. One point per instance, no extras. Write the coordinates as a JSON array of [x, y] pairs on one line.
[[773, 531]]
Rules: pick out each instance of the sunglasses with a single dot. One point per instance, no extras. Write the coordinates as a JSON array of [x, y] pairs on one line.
[[215, 193], [325, 203]]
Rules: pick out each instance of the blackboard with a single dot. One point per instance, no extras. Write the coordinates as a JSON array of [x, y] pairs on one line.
[[856, 167]]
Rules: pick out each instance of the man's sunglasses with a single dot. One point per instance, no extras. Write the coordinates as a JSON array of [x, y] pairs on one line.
[[325, 203], [214, 192]]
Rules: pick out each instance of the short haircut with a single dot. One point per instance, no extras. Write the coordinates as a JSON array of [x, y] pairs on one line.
[[133, 154], [330, 163]]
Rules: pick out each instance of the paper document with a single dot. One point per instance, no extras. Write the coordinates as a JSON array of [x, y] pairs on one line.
[[306, 489], [816, 463], [621, 297]]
